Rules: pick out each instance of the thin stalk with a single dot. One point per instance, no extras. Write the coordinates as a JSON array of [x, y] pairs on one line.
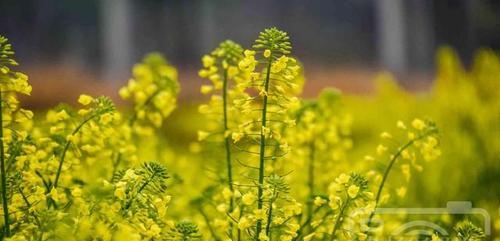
[[238, 235], [29, 206], [227, 143], [116, 163], [301, 230], [207, 222], [133, 118], [131, 122], [338, 221], [310, 180], [227, 139], [66, 147], [3, 174], [144, 185], [387, 171], [270, 214], [262, 148]]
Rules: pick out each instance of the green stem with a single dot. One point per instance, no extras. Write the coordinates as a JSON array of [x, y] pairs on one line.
[[262, 150], [116, 163], [131, 122], [227, 143], [238, 232], [338, 221], [144, 185], [207, 222], [227, 138], [302, 230], [310, 181], [3, 173], [387, 171], [66, 147], [133, 118], [29, 206], [270, 214]]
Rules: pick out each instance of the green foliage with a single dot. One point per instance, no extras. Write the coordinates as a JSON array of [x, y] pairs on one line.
[[466, 231], [153, 178], [184, 231]]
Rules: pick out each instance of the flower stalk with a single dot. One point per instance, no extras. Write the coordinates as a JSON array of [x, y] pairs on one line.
[[227, 138], [66, 147], [310, 179], [5, 204], [262, 148], [427, 130]]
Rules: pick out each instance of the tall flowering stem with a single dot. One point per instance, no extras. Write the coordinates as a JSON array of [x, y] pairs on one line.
[[354, 189], [152, 90], [262, 150], [220, 67], [11, 82], [275, 80], [3, 173], [227, 139], [101, 111], [425, 132], [322, 139]]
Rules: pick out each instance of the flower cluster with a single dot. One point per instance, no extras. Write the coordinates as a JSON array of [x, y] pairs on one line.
[[15, 142], [153, 90], [141, 200], [48, 192], [346, 202], [220, 67], [320, 140], [272, 76], [421, 141], [10, 80]]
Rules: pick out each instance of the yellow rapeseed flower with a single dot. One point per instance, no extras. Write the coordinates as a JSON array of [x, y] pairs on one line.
[[418, 124], [267, 53], [248, 198], [318, 201], [381, 149], [85, 99], [352, 191], [244, 223]]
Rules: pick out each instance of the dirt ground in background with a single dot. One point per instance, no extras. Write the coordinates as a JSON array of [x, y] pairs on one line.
[[53, 84]]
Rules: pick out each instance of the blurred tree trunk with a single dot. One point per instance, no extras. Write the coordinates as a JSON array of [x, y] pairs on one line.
[[454, 25], [116, 38], [420, 34], [208, 26], [391, 34]]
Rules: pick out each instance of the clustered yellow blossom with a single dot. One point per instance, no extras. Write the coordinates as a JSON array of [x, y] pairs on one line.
[[152, 90], [220, 68], [422, 138], [52, 193]]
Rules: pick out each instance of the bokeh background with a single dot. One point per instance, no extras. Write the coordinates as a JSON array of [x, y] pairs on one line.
[[68, 46], [88, 46]]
